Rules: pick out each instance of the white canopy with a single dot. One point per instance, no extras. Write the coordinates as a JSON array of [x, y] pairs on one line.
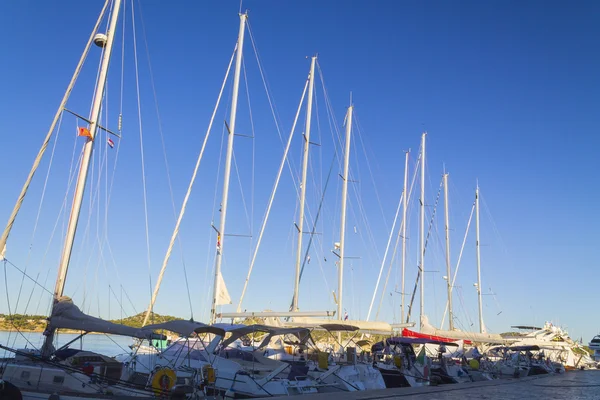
[[186, 328], [375, 327]]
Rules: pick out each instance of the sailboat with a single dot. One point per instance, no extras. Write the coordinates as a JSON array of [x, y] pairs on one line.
[[482, 336], [72, 373]]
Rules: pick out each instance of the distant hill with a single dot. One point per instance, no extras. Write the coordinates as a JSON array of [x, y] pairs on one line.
[[137, 320], [37, 323]]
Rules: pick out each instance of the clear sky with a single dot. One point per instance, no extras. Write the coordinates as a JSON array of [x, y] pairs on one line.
[[508, 91]]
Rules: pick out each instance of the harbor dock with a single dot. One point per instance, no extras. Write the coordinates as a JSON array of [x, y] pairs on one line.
[[581, 385]]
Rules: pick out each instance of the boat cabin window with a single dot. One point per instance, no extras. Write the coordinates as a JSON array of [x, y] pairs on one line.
[[189, 349], [25, 375], [58, 379], [238, 354]]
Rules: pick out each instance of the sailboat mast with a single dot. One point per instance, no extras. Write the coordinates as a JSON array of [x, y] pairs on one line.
[[87, 155], [422, 230], [300, 226], [404, 202], [85, 164], [343, 216], [227, 173], [59, 111], [448, 269], [481, 327]]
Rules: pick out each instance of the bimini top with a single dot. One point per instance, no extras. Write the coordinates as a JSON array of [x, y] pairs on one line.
[[301, 333], [186, 328], [66, 315], [524, 348], [407, 341], [532, 328]]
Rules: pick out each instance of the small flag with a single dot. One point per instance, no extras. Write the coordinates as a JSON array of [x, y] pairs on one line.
[[110, 143], [219, 242], [308, 260], [84, 132], [345, 316]]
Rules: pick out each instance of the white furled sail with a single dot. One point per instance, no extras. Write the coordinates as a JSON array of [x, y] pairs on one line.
[[222, 294]]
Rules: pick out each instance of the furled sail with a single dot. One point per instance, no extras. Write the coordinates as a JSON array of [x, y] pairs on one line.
[[66, 315]]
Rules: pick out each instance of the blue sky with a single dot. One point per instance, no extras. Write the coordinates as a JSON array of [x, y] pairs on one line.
[[508, 92]]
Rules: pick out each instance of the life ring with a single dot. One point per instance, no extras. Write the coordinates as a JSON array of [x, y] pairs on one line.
[[163, 380], [9, 391]]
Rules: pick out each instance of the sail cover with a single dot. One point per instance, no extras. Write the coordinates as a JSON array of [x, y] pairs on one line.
[[66, 315], [186, 328], [428, 329]]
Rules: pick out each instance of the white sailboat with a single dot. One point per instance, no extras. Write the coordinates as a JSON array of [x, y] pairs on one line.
[[70, 373], [482, 336]]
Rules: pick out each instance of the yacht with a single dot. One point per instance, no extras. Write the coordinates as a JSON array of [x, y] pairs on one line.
[[595, 346]]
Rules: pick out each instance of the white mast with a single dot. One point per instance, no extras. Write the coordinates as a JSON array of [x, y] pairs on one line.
[[300, 226], [84, 167], [38, 159], [404, 202], [448, 269], [343, 217], [422, 229], [227, 173], [478, 284]]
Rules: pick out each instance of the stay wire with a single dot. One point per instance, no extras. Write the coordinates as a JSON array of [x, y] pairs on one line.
[[164, 149], [139, 108]]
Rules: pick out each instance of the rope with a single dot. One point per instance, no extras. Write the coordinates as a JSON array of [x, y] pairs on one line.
[[459, 258], [160, 130], [397, 239], [271, 199], [37, 218], [387, 247], [189, 191], [139, 108], [421, 272]]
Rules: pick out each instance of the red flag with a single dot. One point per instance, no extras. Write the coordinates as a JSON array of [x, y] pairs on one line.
[[111, 143], [84, 132]]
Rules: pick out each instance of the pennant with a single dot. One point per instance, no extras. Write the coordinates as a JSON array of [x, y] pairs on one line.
[[222, 296], [421, 356], [110, 143], [84, 132], [345, 316]]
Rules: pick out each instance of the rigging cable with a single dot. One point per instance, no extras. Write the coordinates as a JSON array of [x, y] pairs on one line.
[[397, 239], [459, 259], [139, 108], [420, 272], [271, 199], [162, 139]]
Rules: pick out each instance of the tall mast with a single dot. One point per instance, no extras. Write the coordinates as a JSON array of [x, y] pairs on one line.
[[84, 168], [227, 173], [448, 270], [300, 226], [422, 229], [404, 202], [481, 327], [343, 217], [38, 159]]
